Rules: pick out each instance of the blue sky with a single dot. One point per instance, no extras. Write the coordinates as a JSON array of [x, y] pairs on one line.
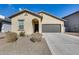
[[59, 10]]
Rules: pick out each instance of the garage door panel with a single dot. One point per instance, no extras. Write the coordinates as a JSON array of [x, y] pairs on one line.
[[51, 28]]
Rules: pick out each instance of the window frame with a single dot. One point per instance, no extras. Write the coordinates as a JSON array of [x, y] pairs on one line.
[[19, 28]]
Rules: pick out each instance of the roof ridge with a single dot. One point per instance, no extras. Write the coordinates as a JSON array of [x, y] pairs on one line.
[[24, 10], [70, 14], [51, 15]]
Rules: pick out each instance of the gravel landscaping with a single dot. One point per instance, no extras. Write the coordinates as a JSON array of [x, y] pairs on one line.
[[23, 46], [73, 33], [2, 39]]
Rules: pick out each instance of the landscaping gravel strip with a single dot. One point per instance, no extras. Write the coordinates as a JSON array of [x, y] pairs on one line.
[[73, 33]]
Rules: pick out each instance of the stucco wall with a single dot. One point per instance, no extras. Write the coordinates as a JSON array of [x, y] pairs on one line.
[[51, 20], [28, 27], [72, 23]]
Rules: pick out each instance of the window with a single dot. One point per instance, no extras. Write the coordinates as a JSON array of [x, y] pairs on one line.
[[21, 25]]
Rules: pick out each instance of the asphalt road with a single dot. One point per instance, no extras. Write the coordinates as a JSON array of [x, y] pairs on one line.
[[62, 44]]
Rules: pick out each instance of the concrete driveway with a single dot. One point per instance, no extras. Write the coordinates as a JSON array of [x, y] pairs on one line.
[[62, 44]]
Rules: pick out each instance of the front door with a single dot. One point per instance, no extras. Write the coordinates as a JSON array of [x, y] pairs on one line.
[[36, 28], [35, 23]]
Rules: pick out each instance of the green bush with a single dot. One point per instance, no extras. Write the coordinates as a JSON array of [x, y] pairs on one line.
[[22, 33], [11, 36], [36, 37]]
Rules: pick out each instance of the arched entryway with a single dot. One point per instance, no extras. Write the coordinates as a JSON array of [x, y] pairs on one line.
[[35, 24]]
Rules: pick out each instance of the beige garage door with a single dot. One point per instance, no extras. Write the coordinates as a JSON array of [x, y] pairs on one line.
[[49, 28]]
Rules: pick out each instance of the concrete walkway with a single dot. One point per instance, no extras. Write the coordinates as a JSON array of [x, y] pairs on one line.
[[62, 44]]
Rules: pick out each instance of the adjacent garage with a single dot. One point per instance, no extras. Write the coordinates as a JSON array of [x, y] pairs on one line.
[[49, 28], [5, 24]]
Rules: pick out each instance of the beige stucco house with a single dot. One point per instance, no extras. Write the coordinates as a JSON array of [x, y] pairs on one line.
[[30, 22]]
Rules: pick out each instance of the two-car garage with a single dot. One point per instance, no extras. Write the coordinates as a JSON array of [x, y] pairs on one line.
[[49, 28], [51, 24]]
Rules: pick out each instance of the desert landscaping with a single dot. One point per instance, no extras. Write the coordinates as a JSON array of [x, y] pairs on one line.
[[24, 45], [73, 33]]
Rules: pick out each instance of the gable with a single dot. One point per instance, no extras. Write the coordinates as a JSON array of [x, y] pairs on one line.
[[41, 13], [24, 11], [50, 19]]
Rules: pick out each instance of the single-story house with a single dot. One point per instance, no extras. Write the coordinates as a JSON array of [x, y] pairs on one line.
[[72, 22], [30, 22], [5, 24]]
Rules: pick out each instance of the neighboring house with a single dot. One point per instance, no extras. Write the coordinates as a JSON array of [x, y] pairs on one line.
[[5, 24], [72, 22], [30, 22]]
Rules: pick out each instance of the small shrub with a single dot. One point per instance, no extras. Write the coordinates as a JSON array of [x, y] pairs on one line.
[[32, 39], [11, 36], [36, 37], [22, 34]]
